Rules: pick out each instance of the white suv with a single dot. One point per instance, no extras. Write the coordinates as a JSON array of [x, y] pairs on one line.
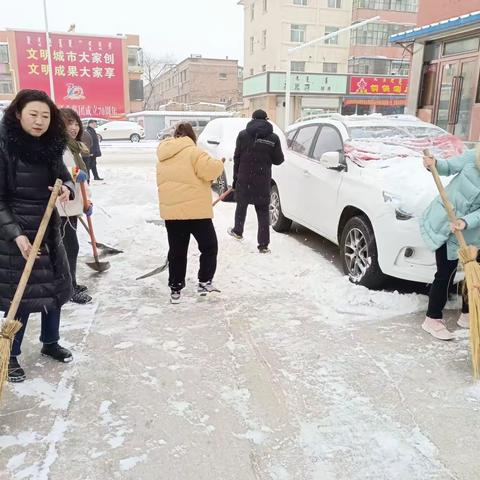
[[360, 183]]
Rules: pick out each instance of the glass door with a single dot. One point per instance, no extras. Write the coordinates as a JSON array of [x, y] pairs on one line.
[[456, 96], [466, 97], [449, 70]]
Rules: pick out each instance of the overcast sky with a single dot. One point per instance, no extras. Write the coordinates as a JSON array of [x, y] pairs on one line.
[[176, 28]]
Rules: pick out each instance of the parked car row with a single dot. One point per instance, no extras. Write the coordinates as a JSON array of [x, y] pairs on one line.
[[357, 181]]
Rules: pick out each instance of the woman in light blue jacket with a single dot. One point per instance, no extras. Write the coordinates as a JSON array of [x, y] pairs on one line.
[[438, 233]]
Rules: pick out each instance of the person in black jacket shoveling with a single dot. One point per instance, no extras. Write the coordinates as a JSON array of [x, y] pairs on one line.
[[257, 149]]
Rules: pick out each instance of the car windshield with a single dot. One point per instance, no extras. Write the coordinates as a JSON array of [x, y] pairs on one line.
[[378, 132], [387, 142]]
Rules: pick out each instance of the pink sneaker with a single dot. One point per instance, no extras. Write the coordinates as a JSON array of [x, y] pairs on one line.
[[437, 329], [464, 320]]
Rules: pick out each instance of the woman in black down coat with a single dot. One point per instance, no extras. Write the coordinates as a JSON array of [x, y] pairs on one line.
[[32, 140]]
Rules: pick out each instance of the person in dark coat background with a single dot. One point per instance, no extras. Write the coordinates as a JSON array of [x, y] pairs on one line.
[[95, 151], [32, 141], [257, 149]]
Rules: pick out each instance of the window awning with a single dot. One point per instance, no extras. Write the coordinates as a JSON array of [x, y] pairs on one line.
[[437, 27]]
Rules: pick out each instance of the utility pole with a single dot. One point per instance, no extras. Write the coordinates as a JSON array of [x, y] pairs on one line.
[[49, 50]]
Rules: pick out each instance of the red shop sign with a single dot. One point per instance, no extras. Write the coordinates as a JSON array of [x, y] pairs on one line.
[[378, 85], [87, 71]]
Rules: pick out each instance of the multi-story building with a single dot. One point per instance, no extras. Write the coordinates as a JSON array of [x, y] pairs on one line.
[[445, 73], [271, 28], [329, 75], [96, 75], [371, 52], [198, 80]]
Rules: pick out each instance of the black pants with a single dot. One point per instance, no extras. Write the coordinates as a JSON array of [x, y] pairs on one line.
[[263, 216], [92, 166], [70, 242], [444, 277], [179, 232], [49, 332]]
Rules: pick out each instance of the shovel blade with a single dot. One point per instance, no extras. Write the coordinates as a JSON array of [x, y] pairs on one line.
[[98, 266], [107, 250]]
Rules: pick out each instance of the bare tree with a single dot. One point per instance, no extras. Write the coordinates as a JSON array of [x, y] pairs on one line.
[[153, 67]]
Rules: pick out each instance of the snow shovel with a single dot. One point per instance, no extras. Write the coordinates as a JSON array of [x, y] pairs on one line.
[[468, 257], [96, 264], [163, 267], [10, 326], [107, 250]]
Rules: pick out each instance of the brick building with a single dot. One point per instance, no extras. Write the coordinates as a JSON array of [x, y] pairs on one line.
[[198, 80]]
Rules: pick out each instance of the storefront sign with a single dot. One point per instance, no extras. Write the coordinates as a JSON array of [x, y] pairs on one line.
[[378, 85], [308, 83], [87, 71]]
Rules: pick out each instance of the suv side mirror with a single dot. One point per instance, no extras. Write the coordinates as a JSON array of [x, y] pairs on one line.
[[333, 161]]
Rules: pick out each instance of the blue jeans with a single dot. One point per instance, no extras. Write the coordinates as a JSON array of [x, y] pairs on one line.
[[49, 329]]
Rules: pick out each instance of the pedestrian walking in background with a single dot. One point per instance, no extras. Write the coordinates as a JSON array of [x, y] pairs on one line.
[[88, 142], [32, 141], [437, 232], [257, 149], [95, 151], [184, 176], [70, 211]]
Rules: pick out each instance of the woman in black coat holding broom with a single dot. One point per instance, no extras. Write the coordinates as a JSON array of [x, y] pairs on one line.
[[32, 141]]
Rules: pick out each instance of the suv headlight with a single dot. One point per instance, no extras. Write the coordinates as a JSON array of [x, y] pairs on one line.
[[400, 213]]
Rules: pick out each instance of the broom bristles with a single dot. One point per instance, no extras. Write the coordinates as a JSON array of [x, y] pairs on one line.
[[7, 333], [468, 257]]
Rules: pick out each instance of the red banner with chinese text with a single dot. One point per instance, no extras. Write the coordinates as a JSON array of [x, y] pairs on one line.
[[378, 85], [87, 71]]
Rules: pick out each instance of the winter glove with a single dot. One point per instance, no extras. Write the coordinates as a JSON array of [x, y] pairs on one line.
[[81, 177], [88, 212]]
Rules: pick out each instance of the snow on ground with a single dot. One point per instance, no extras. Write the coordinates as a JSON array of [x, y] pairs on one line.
[[290, 373]]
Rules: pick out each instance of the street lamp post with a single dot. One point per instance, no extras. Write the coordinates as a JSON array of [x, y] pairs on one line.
[[308, 44], [49, 52]]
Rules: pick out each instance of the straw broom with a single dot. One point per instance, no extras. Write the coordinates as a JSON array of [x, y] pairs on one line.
[[10, 326], [468, 257]]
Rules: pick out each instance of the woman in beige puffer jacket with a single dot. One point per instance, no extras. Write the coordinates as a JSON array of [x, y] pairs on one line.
[[184, 176]]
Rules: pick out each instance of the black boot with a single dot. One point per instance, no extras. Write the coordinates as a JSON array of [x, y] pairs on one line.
[[16, 374], [80, 297], [57, 352]]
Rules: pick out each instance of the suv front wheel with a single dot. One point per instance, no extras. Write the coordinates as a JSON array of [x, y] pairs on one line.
[[359, 255]]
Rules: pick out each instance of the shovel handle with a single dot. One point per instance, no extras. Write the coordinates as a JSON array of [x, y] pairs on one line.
[[89, 220], [27, 270], [446, 202], [222, 196]]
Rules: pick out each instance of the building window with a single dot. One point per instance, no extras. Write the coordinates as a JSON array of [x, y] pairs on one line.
[[135, 57], [297, 33], [334, 3], [265, 6], [252, 11], [264, 39], [4, 54], [394, 5], [251, 71], [264, 68], [135, 89], [376, 34], [300, 2], [329, 67], [332, 40], [298, 67], [223, 76], [378, 66], [6, 84], [251, 45]]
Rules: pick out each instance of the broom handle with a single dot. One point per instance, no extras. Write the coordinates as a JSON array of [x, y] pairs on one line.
[[446, 202], [89, 220], [12, 311]]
